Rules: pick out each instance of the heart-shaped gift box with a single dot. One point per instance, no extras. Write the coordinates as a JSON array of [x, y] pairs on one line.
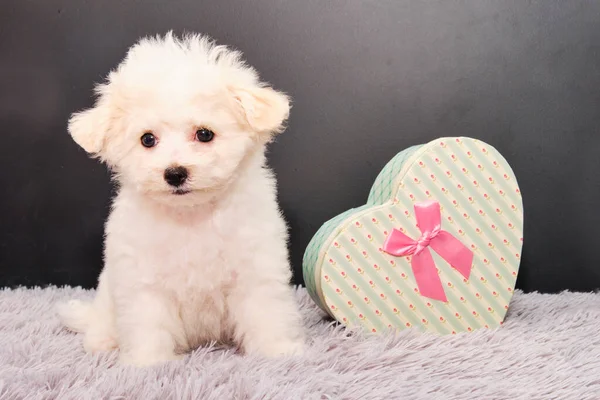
[[436, 247]]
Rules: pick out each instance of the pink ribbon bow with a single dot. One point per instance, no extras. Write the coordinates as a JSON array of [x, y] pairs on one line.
[[429, 221]]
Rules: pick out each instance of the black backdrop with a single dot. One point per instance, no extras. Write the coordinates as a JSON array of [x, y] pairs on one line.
[[369, 78]]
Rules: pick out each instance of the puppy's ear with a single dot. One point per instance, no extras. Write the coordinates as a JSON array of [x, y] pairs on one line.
[[264, 109], [89, 128]]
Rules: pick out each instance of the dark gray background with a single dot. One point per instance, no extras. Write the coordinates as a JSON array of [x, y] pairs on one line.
[[368, 78]]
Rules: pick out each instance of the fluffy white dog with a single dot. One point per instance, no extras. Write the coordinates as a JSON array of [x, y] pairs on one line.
[[195, 247]]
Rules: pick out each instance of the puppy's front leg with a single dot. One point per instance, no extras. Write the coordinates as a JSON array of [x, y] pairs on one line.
[[148, 328], [265, 316]]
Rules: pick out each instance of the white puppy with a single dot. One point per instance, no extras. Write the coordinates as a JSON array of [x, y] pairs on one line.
[[195, 246]]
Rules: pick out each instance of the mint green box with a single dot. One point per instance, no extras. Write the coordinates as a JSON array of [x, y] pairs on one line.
[[349, 274]]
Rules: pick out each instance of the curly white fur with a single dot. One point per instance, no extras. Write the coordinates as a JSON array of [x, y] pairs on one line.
[[208, 265]]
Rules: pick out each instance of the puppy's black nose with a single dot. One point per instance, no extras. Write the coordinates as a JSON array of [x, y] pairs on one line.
[[176, 176]]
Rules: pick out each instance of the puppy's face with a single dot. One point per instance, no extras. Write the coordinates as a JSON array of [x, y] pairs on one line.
[[176, 119]]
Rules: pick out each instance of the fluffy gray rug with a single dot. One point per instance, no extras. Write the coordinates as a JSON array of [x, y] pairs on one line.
[[547, 349]]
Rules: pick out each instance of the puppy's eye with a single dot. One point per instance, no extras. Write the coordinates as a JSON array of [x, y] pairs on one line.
[[204, 135], [148, 140]]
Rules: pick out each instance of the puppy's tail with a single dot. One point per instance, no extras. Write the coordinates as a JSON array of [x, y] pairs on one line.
[[75, 315]]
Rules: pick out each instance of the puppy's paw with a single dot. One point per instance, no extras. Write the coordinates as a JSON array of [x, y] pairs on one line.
[[95, 343], [147, 360]]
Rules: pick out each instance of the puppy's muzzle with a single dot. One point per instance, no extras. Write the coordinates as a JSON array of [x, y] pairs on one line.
[[176, 176]]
